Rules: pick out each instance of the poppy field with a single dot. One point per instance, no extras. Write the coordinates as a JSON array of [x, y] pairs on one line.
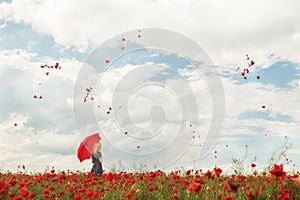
[[190, 184]]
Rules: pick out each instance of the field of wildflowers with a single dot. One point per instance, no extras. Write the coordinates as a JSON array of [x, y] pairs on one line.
[[190, 184]]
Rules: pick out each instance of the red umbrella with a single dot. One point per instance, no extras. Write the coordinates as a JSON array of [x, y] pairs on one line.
[[86, 146]]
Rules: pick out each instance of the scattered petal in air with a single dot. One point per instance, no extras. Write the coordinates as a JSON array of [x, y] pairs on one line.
[[123, 39], [47, 73], [92, 98], [125, 133], [245, 77], [226, 145], [41, 97], [107, 61], [109, 108], [98, 106], [108, 112], [139, 36], [122, 48], [15, 124], [247, 56], [35, 97], [252, 62], [257, 77], [138, 146], [263, 106]]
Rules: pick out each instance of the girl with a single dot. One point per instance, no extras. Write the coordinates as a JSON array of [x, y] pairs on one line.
[[97, 159]]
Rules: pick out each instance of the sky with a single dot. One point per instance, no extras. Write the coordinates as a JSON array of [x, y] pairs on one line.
[[161, 81]]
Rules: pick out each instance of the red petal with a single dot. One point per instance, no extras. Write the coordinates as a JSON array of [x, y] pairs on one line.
[[41, 97], [107, 61], [263, 106], [123, 39], [108, 112], [138, 146], [47, 73], [15, 124], [122, 48], [252, 62], [257, 77], [35, 97], [139, 36]]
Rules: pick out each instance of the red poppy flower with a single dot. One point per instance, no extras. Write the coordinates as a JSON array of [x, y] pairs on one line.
[[195, 187], [278, 171], [218, 171]]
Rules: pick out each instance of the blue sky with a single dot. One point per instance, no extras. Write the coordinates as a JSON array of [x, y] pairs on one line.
[[47, 133]]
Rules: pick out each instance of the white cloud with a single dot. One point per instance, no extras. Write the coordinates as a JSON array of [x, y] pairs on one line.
[[226, 30]]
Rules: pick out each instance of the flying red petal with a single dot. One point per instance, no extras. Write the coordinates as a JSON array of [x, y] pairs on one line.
[[107, 61]]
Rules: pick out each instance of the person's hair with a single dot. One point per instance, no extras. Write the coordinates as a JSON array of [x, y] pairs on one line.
[[95, 147]]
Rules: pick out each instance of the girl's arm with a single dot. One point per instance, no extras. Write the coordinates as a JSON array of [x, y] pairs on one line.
[[101, 160]]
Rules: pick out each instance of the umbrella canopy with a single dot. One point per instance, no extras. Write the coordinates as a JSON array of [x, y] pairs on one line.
[[86, 146]]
